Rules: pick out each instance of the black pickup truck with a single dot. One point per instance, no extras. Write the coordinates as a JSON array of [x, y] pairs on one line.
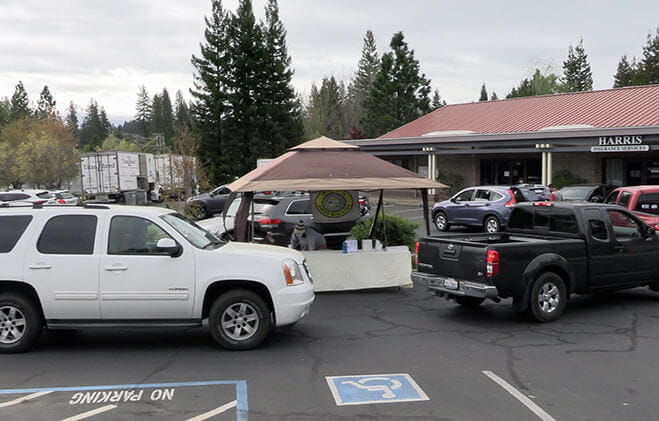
[[548, 251]]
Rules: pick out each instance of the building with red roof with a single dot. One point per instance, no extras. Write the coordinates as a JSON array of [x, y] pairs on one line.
[[608, 136]]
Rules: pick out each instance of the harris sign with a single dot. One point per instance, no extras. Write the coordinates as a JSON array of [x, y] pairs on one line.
[[620, 144]]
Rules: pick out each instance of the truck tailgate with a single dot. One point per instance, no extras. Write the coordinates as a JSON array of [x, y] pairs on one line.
[[455, 258]]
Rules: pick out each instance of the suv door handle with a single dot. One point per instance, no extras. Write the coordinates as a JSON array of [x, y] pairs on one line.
[[40, 266], [116, 268]]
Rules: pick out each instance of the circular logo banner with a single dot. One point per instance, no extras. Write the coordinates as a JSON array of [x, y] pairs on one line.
[[334, 203]]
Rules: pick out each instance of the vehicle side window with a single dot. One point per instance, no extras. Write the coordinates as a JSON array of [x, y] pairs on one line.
[[465, 196], [648, 202], [12, 228], [68, 234], [299, 207], [612, 197], [624, 199], [624, 227], [541, 218], [133, 235], [494, 196], [44, 195], [563, 220], [482, 196], [596, 225], [5, 197], [521, 218]]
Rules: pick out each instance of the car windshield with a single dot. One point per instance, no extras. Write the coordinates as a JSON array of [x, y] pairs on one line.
[[196, 235], [66, 195], [575, 193]]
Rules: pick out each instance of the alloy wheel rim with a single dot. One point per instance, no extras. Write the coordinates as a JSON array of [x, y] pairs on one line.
[[440, 221], [12, 325], [548, 297], [492, 226], [239, 321]]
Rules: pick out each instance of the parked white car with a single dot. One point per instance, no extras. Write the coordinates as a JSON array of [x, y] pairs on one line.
[[33, 196], [64, 197], [120, 266]]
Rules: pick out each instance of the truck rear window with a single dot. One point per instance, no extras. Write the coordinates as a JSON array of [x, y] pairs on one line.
[[12, 228], [556, 220], [648, 202]]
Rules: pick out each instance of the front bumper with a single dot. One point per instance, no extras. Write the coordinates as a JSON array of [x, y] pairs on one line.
[[436, 283]]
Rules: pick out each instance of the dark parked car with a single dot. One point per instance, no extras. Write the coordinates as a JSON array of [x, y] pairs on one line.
[[484, 206], [595, 193], [208, 204], [549, 250]]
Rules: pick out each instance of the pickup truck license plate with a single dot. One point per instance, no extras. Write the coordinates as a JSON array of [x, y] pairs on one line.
[[450, 283]]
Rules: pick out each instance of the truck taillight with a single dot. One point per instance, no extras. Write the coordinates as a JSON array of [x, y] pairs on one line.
[[512, 200], [269, 222], [492, 263], [416, 253]]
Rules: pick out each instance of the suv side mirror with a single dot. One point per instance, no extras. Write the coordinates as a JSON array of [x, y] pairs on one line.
[[169, 246], [453, 200]]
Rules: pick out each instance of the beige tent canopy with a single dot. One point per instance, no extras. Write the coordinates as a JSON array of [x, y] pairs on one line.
[[325, 164]]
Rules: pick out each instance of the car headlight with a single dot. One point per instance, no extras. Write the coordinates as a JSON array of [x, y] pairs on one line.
[[292, 272]]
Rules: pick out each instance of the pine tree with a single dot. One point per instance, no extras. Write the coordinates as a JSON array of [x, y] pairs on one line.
[[156, 120], [20, 104], [360, 87], [5, 112], [143, 110], [167, 116], [541, 83], [437, 101], [649, 65], [625, 74], [106, 126], [210, 94], [494, 96], [92, 132], [400, 93], [181, 113], [72, 121], [483, 96], [577, 75], [46, 105]]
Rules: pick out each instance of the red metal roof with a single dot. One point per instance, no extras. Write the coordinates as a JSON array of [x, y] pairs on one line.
[[635, 106]]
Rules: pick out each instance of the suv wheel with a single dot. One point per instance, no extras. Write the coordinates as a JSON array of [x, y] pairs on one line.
[[492, 224], [239, 319], [548, 298], [441, 221], [199, 211], [20, 323]]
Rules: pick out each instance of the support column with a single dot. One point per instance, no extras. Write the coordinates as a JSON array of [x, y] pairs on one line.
[[550, 167], [544, 168]]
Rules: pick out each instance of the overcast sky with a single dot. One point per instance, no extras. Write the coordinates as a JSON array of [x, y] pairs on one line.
[[106, 49]]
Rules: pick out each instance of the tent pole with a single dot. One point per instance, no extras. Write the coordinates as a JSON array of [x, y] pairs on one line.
[[251, 234], [384, 222], [426, 215], [375, 218]]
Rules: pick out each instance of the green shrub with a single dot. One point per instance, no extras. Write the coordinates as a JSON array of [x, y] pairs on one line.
[[564, 178], [400, 231]]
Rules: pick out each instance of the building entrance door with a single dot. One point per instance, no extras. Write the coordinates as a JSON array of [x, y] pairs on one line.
[[510, 171]]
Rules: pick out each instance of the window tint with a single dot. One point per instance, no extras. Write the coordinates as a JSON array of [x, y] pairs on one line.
[[133, 235], [648, 202], [521, 218], [8, 197], [612, 197], [624, 227], [12, 228], [44, 195], [563, 220], [541, 218], [598, 229], [68, 234], [482, 196], [465, 196], [299, 207], [494, 196], [624, 199]]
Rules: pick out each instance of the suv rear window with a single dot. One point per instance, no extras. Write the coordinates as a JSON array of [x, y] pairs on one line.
[[12, 228], [648, 202], [68, 234], [299, 207]]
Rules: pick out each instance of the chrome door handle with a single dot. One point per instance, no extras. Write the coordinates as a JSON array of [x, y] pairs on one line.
[[40, 266], [116, 268]]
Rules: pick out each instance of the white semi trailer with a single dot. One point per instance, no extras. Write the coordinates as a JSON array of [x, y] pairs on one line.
[[125, 177]]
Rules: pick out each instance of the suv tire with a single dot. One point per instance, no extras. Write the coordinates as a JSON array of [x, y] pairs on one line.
[[491, 224], [199, 211], [239, 319], [21, 323], [548, 298], [441, 221]]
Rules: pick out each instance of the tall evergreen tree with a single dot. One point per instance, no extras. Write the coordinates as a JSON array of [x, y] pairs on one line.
[[360, 87], [210, 93], [92, 132], [577, 75], [625, 74], [649, 64], [143, 110], [167, 116], [483, 96], [541, 83], [5, 112], [106, 126], [156, 122], [326, 109], [181, 113], [494, 96], [46, 105], [400, 93], [71, 121], [20, 104], [437, 101]]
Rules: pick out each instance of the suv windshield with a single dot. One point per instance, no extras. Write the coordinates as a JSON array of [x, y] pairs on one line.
[[196, 235]]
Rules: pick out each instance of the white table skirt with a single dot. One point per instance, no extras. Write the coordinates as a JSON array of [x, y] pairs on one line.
[[333, 270]]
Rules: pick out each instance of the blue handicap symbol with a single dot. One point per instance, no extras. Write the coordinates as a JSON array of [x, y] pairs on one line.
[[379, 388]]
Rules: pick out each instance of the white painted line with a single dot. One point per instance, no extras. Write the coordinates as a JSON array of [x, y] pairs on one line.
[[23, 399], [519, 396], [91, 413], [216, 411]]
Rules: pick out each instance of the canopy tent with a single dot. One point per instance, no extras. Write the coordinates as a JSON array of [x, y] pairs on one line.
[[326, 164]]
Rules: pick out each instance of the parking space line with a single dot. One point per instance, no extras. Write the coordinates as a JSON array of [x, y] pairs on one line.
[[519, 396], [23, 399], [91, 413], [212, 413]]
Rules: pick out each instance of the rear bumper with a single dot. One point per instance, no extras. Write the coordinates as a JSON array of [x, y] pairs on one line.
[[435, 283]]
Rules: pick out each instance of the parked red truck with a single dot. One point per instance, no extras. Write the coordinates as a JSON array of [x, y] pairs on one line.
[[643, 201]]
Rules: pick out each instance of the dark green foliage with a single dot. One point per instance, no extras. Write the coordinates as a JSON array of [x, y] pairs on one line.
[[494, 96], [564, 178], [649, 65], [5, 111], [20, 104], [455, 182], [437, 101], [577, 75], [93, 129], [71, 121], [182, 119], [360, 86], [626, 73], [143, 111], [540, 84], [400, 231], [46, 105], [324, 115], [483, 96], [400, 93]]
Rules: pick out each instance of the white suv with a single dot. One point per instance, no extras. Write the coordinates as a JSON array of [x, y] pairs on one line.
[[67, 267]]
